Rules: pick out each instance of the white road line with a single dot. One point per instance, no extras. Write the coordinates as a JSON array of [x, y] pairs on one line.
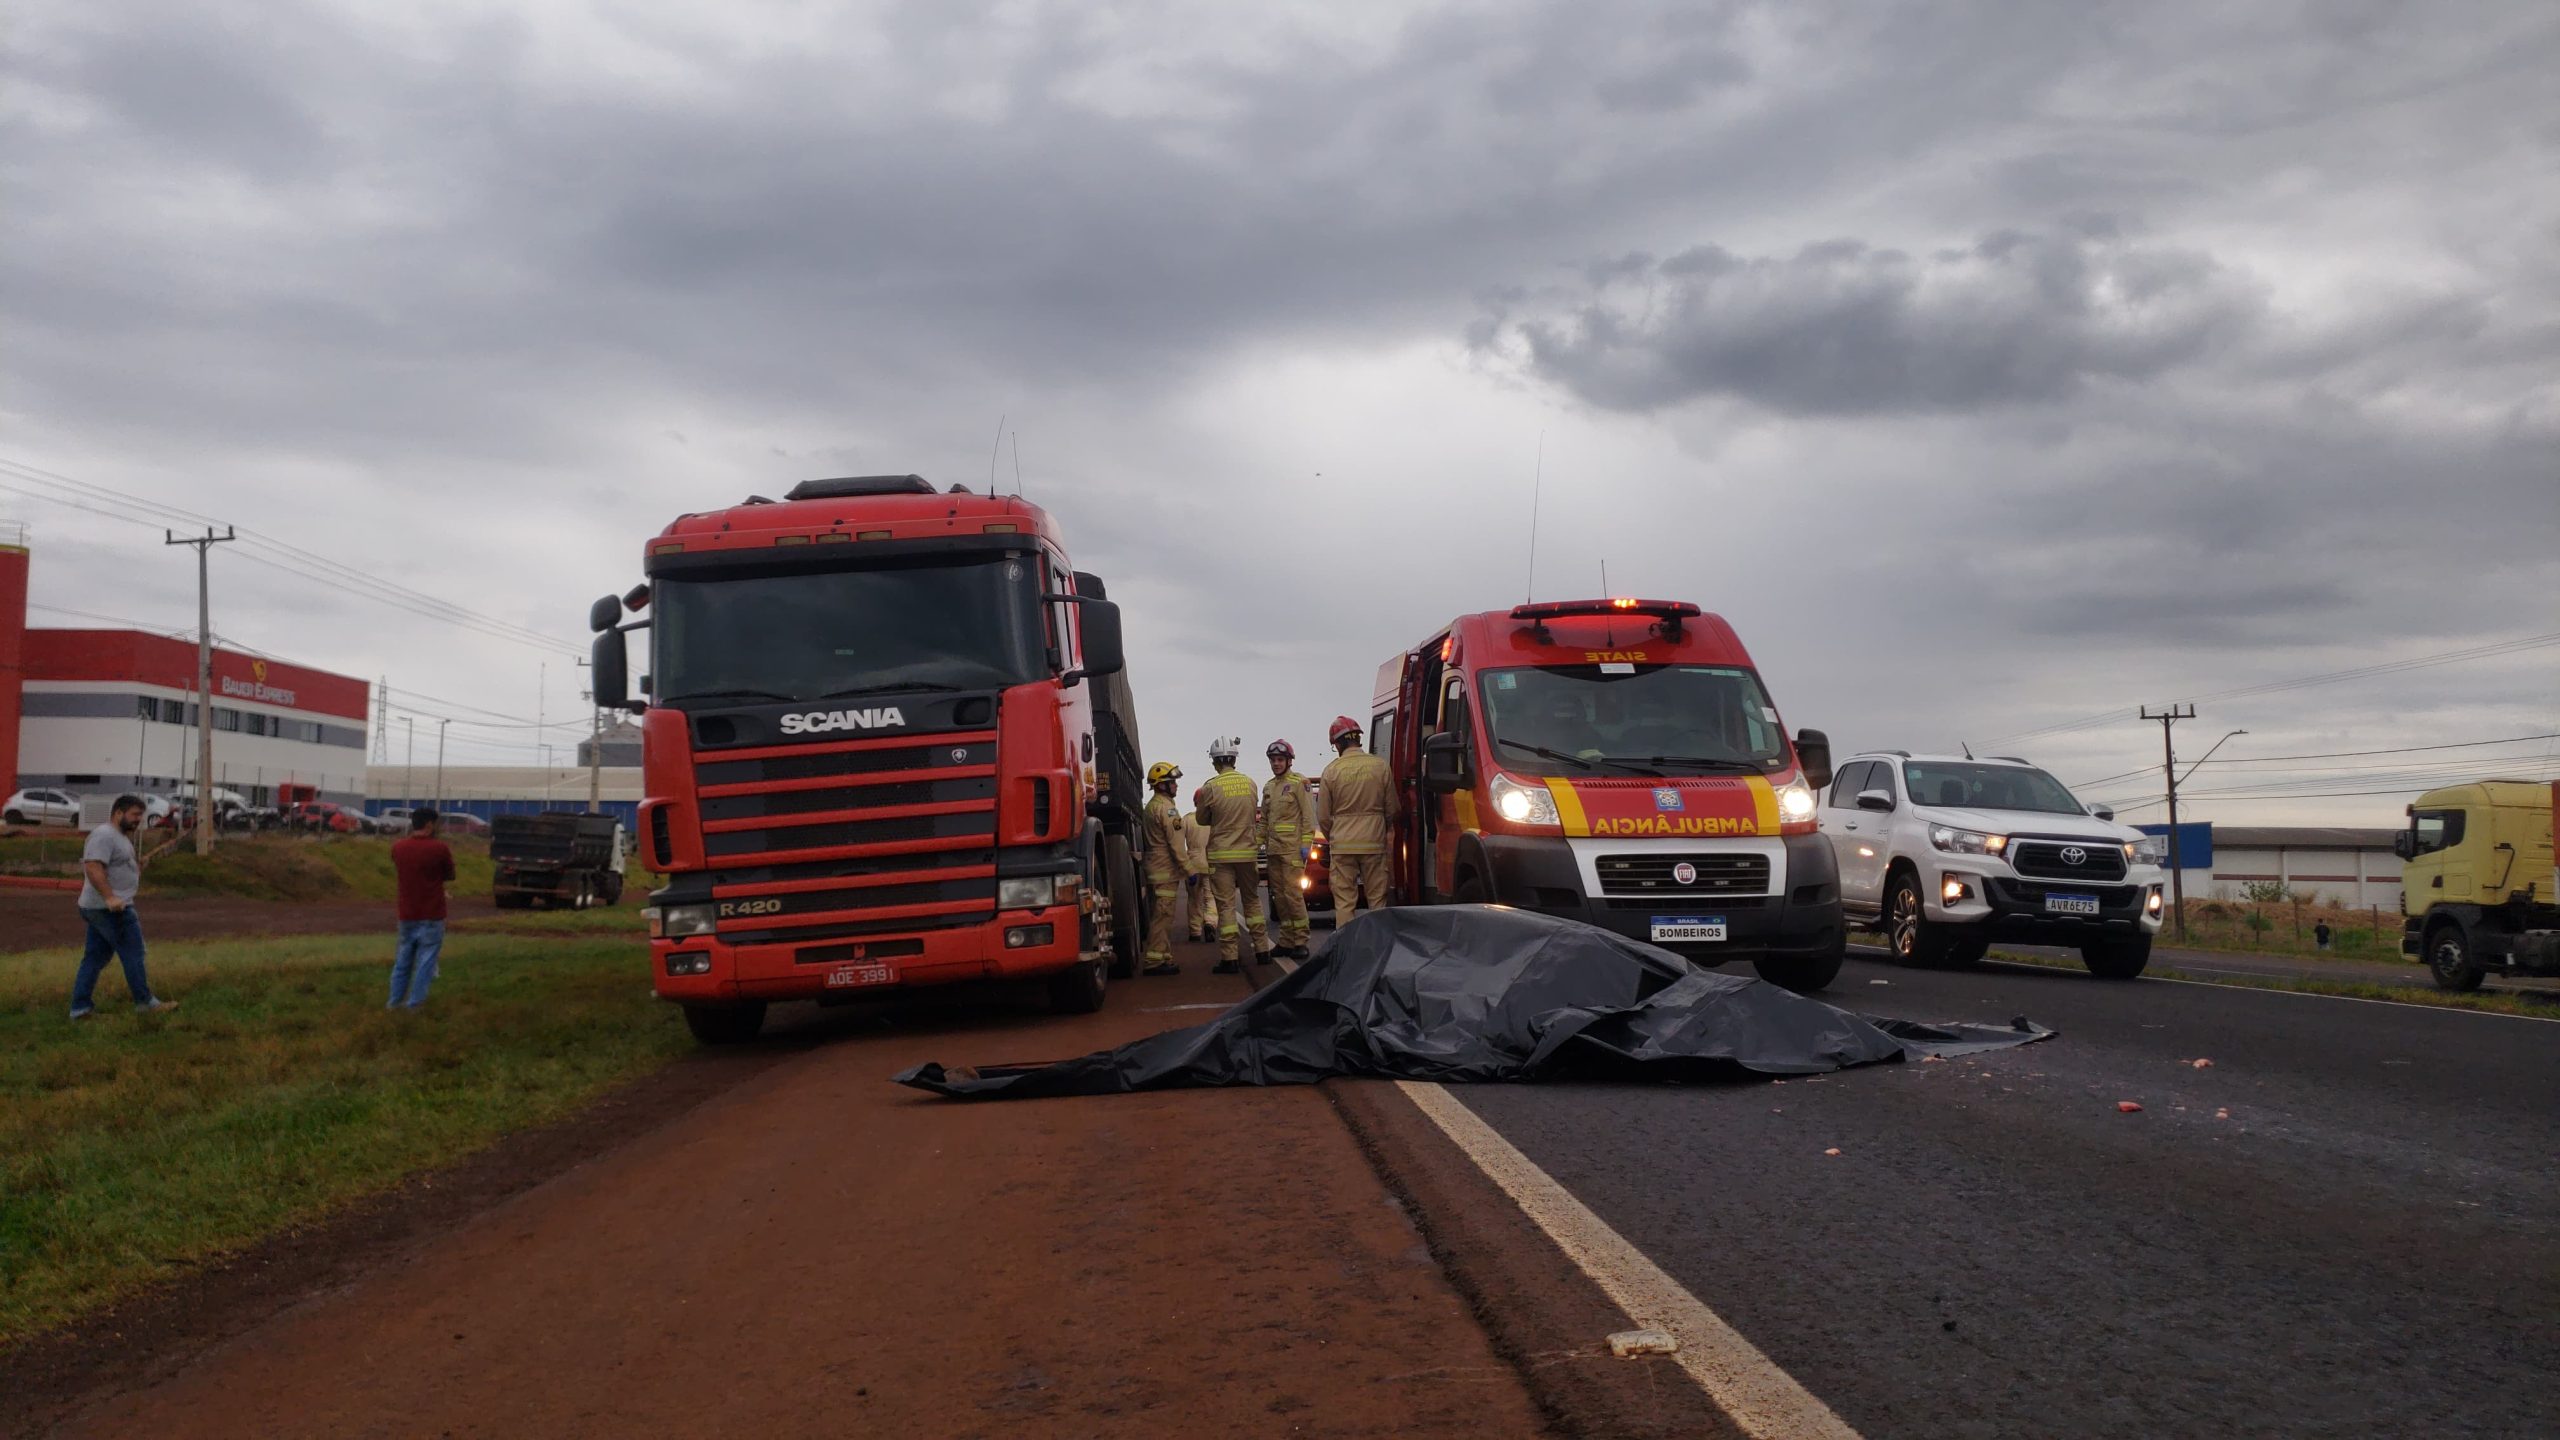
[[1762, 1399]]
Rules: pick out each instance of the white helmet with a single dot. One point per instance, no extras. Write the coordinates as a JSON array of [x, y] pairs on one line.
[[1225, 747]]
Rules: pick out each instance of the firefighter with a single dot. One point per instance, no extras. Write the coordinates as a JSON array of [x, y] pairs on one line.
[[1168, 855], [1195, 878], [1357, 808], [1288, 825], [1227, 805]]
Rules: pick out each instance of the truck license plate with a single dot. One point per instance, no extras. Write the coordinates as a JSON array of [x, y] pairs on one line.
[[2071, 904], [1688, 929], [843, 976]]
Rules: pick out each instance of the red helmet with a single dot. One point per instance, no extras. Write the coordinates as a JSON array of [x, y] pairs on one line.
[[1280, 750], [1342, 725]]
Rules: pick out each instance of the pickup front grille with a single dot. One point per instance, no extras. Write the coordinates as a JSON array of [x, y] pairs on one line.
[[2100, 861], [1647, 877]]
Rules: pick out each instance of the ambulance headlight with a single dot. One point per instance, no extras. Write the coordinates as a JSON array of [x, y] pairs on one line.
[[1795, 803], [1523, 804]]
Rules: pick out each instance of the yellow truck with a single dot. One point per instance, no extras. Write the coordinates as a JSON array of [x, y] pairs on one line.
[[2477, 888]]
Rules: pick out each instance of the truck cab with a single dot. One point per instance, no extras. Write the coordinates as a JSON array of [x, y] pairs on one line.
[[2477, 889], [1616, 762]]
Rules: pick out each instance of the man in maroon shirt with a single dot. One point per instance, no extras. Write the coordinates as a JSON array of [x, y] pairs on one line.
[[425, 866]]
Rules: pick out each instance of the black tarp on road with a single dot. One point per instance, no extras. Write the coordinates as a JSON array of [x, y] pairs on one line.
[[1479, 993]]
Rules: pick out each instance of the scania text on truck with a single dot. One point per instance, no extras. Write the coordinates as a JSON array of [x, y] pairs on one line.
[[885, 744], [2477, 889], [1616, 762]]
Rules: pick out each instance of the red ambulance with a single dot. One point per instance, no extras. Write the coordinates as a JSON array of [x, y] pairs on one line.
[[1615, 762]]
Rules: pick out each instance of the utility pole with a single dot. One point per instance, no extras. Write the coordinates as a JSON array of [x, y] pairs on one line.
[[203, 545], [440, 724], [595, 749], [409, 766], [2168, 717]]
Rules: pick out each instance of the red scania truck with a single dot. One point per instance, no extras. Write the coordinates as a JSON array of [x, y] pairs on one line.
[[888, 742], [1615, 762]]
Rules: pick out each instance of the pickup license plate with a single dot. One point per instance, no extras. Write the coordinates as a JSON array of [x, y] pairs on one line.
[[1688, 930], [2071, 904], [843, 976]]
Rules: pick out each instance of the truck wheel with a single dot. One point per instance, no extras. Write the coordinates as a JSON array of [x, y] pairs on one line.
[[612, 890], [2117, 959], [1128, 922], [725, 1024], [1908, 931], [2449, 957], [1079, 991], [1803, 974]]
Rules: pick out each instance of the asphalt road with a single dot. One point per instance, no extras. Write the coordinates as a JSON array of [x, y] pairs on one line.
[[2369, 1243], [2226, 964]]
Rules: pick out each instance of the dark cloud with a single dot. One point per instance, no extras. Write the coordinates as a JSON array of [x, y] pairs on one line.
[[1841, 328]]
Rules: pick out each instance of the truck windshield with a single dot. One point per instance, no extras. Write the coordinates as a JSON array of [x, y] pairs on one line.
[[1988, 787], [972, 625], [1660, 719]]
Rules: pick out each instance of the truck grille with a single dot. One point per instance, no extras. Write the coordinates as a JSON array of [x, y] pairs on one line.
[[2100, 860], [851, 838], [1650, 876]]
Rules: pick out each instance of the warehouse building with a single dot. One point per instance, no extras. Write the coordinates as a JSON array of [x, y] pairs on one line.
[[2352, 867], [109, 711]]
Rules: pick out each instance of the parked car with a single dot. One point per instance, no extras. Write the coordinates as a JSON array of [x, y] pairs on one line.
[[41, 807], [1945, 853], [324, 816], [462, 822]]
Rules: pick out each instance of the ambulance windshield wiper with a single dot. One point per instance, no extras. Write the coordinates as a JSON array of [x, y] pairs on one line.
[[1704, 762], [1571, 759]]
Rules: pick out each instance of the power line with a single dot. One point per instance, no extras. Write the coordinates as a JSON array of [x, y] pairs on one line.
[[2333, 755]]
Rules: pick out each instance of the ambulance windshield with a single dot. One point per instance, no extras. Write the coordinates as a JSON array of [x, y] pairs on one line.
[[818, 634], [1651, 719]]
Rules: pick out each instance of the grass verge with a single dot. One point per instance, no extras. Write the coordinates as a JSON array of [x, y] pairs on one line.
[[2495, 1002], [623, 919], [135, 1147]]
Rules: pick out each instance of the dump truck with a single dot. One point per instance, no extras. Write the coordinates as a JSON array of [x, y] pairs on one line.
[[2478, 892], [557, 858], [887, 743]]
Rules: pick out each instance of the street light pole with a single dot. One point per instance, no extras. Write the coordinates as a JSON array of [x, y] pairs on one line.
[[440, 724], [2169, 768], [203, 545], [409, 766]]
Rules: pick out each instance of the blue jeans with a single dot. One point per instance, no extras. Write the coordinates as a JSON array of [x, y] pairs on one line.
[[116, 933], [421, 941]]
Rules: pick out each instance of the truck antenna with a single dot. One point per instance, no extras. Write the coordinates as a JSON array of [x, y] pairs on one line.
[[1537, 485], [1017, 464], [993, 453], [1967, 749]]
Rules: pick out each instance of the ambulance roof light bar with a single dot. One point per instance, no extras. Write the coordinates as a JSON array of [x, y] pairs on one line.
[[1672, 613]]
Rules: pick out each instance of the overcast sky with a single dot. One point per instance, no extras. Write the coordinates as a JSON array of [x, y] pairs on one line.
[[1991, 367]]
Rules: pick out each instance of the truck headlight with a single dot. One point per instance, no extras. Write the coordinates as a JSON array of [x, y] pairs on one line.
[[2149, 850], [1966, 842], [675, 922], [1523, 804], [1795, 803], [1027, 892]]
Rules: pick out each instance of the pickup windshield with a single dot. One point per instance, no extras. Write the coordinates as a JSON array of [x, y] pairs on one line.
[[971, 625], [1987, 787], [1645, 719]]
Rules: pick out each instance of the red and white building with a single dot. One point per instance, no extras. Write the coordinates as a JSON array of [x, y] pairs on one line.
[[108, 711]]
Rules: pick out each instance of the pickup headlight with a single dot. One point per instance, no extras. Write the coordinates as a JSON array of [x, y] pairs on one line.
[[2149, 850], [1523, 804], [1027, 892], [1966, 842], [675, 922], [1795, 803]]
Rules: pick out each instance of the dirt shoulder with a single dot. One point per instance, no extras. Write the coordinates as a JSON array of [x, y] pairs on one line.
[[797, 1247], [42, 920]]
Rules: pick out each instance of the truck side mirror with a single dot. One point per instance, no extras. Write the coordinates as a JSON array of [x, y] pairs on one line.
[[1813, 757], [2403, 846], [1444, 763], [1103, 655], [605, 613], [611, 658]]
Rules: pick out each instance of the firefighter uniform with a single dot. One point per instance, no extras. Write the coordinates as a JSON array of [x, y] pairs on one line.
[[1288, 823], [1195, 877], [1359, 802], [1166, 853], [1227, 806]]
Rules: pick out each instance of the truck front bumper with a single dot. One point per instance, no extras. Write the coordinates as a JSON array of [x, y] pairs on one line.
[[1541, 874], [1016, 944]]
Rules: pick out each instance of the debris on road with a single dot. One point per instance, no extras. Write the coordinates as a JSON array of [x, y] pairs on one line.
[[2203, 1064], [1482, 993], [2127, 1107], [1834, 1150], [2221, 1114], [1628, 1344]]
